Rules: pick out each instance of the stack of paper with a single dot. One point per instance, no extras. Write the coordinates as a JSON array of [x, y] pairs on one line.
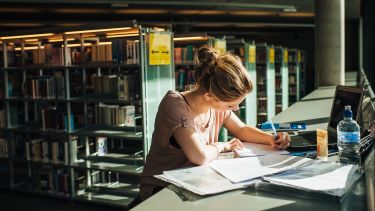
[[201, 180], [320, 176], [242, 169]]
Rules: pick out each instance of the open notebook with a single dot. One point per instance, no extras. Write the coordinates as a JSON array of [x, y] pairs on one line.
[[251, 150]]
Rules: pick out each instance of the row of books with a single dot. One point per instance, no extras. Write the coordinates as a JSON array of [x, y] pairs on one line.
[[14, 85], [123, 86], [261, 55], [184, 78], [42, 150], [2, 118], [3, 148], [38, 87], [16, 114], [55, 119], [184, 55], [115, 115], [119, 51], [52, 180]]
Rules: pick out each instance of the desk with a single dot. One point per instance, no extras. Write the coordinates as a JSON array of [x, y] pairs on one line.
[[315, 106], [314, 109]]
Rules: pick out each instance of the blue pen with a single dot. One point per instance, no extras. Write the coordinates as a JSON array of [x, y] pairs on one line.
[[273, 129]]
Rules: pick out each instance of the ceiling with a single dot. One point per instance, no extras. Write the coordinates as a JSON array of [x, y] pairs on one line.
[[225, 16]]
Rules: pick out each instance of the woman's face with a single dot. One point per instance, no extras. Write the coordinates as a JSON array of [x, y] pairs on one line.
[[224, 105]]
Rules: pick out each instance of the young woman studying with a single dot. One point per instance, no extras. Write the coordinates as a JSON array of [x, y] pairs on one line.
[[187, 124]]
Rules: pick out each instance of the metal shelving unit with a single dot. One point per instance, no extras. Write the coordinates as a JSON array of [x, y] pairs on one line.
[[281, 78], [294, 70], [85, 173], [265, 67]]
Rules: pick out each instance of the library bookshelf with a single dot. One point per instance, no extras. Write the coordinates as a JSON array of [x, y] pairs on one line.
[[281, 79], [265, 71], [78, 106], [294, 72]]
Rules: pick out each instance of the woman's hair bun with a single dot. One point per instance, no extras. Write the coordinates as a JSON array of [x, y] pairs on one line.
[[205, 56]]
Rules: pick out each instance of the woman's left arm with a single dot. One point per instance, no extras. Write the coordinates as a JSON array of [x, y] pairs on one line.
[[254, 135]]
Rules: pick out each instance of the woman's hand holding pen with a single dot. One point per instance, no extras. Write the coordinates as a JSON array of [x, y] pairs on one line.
[[281, 141], [233, 144]]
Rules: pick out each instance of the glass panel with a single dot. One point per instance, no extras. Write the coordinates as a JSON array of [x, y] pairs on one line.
[[157, 80]]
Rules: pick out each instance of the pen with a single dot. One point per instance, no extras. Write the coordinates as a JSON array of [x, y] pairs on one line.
[[273, 129]]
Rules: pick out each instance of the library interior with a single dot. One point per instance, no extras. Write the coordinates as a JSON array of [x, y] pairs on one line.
[[187, 105]]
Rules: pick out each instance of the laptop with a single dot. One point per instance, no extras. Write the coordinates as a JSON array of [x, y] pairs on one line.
[[344, 95]]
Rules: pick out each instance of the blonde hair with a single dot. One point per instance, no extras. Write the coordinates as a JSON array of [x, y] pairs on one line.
[[221, 75]]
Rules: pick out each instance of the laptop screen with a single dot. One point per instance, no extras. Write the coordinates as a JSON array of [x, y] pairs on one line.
[[344, 95]]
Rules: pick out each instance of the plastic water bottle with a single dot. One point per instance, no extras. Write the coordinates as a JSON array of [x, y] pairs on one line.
[[348, 137]]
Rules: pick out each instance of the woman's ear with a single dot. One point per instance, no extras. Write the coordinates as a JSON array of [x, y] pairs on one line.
[[208, 97]]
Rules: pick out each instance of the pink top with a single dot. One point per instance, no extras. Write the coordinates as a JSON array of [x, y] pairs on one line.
[[174, 112]]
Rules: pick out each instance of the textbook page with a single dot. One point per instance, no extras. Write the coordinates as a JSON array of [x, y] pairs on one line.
[[242, 169], [201, 180], [251, 149], [320, 176]]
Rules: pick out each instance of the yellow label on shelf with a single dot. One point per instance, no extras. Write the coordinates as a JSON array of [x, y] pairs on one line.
[[220, 45], [299, 56], [252, 54], [285, 56], [272, 55], [160, 48]]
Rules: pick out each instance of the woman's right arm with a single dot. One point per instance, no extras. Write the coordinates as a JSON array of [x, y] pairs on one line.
[[197, 152], [194, 150]]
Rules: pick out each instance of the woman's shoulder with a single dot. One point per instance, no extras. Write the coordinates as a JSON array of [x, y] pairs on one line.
[[173, 98]]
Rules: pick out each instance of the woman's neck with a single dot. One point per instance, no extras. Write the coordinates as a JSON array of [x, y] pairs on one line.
[[197, 101]]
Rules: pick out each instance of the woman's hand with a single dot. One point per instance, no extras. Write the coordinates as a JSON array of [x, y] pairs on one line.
[[282, 141], [233, 144]]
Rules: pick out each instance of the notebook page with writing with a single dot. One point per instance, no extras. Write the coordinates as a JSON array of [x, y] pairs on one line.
[[252, 150]]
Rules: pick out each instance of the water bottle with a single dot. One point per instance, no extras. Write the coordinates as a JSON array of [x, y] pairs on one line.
[[348, 137]]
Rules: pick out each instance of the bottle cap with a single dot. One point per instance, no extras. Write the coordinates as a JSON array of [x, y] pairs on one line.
[[348, 112]]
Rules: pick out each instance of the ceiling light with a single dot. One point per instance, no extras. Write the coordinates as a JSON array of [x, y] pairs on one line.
[[77, 45], [140, 11], [200, 4], [26, 36], [60, 40], [122, 35], [196, 38], [253, 13], [29, 48], [119, 5], [80, 10], [297, 14], [289, 9], [105, 43], [134, 31], [31, 40], [96, 30]]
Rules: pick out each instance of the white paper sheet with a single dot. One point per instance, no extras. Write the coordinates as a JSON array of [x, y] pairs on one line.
[[251, 150], [242, 169]]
